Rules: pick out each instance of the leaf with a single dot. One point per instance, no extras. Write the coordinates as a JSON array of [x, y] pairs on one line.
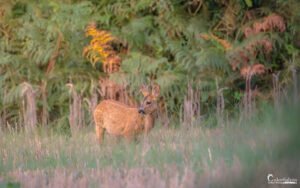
[[249, 3]]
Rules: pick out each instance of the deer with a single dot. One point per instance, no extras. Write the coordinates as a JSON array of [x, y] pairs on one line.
[[119, 119]]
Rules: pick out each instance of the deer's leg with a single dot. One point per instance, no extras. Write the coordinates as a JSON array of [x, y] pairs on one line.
[[98, 119], [147, 129], [99, 133], [149, 122]]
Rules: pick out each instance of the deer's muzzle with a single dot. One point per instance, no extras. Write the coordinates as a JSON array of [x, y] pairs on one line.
[[141, 110]]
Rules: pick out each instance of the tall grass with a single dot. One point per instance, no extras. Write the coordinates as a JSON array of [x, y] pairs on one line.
[[240, 154]]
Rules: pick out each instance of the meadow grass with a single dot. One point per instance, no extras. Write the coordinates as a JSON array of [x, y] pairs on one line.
[[236, 155]]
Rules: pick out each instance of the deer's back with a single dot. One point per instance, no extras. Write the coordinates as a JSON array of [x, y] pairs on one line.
[[117, 118]]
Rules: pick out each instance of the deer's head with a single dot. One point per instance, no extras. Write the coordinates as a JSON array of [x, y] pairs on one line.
[[149, 103]]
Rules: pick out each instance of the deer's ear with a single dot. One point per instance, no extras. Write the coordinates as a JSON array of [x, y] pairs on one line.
[[155, 90], [144, 90]]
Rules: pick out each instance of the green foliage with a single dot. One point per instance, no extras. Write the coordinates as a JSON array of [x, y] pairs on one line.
[[10, 185], [27, 53], [249, 3], [43, 43]]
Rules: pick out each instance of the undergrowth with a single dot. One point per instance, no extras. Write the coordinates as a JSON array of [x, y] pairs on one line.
[[240, 153]]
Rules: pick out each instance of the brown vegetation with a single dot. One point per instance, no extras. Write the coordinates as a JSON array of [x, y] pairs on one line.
[[224, 43], [269, 23], [241, 56]]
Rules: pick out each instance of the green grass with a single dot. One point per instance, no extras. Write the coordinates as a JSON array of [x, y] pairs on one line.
[[235, 155]]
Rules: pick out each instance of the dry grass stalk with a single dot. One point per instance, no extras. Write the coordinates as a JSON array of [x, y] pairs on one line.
[[220, 105], [76, 116], [114, 91], [295, 86], [45, 114], [108, 89], [276, 90], [3, 116], [92, 102], [191, 106], [29, 106], [163, 113], [248, 97], [248, 72], [107, 178]]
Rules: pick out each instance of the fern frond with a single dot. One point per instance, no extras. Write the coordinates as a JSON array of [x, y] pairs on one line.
[[224, 43], [269, 23], [256, 69], [247, 51], [99, 48], [212, 60]]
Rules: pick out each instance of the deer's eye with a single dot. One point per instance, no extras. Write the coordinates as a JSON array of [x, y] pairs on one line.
[[148, 102]]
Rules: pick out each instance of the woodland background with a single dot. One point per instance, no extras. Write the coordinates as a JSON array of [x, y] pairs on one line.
[[215, 61], [209, 57]]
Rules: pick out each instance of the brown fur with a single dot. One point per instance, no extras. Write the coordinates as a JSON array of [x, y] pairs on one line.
[[121, 120]]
